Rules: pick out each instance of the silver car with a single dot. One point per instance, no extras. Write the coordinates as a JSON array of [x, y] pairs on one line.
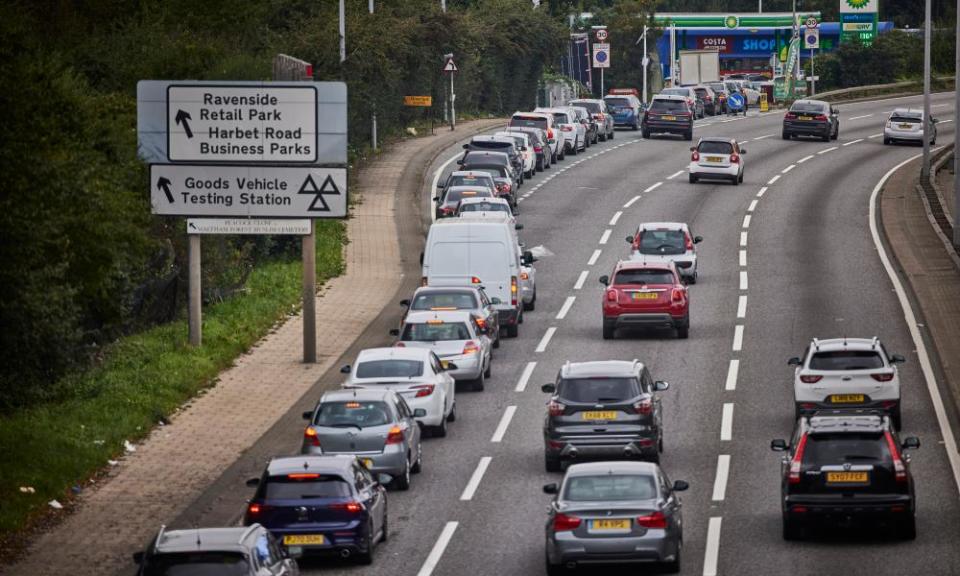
[[906, 125], [667, 242], [598, 109], [470, 298], [453, 336], [376, 426], [614, 512]]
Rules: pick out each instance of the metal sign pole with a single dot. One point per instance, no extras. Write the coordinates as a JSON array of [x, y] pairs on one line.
[[309, 249], [195, 321], [813, 76], [646, 62], [453, 99], [956, 156], [925, 170]]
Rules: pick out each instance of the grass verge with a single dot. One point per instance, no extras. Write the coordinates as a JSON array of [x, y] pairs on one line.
[[141, 379]]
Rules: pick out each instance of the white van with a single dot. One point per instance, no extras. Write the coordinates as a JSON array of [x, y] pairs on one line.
[[469, 253]]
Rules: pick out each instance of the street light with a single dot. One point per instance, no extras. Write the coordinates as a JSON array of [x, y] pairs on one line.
[[925, 169]]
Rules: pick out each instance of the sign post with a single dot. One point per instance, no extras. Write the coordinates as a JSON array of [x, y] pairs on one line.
[[601, 60], [811, 40], [450, 68]]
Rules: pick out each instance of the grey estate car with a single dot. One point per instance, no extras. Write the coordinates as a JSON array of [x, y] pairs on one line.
[[611, 513]]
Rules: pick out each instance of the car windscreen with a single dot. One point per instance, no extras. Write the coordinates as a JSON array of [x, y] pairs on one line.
[[609, 488], [667, 242], [352, 413], [531, 121], [592, 107], [457, 180], [905, 119], [846, 360], [643, 276], [484, 207], [845, 447], [302, 486], [445, 300], [712, 147], [808, 108], [598, 390], [442, 332], [454, 195], [486, 158], [619, 102], [390, 368], [197, 564], [668, 106]]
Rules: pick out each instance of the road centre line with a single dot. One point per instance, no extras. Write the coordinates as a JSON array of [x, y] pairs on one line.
[[743, 238], [788, 168], [742, 306], [762, 137], [474, 482], [726, 422], [805, 158], [773, 180], [504, 423], [546, 339], [859, 117], [875, 135], [825, 150], [743, 279], [616, 218], [593, 259], [712, 553], [632, 200], [853, 141], [438, 548], [525, 376], [762, 192], [720, 482], [605, 236], [581, 279], [653, 187], [746, 221], [743, 258], [732, 373], [566, 307], [753, 206], [675, 174], [738, 338]]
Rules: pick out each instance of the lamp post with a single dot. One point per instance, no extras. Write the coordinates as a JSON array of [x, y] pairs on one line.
[[925, 170], [956, 156]]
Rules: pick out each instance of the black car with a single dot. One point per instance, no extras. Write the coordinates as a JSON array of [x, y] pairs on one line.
[[812, 118], [602, 410], [668, 114], [538, 139], [847, 467], [498, 144]]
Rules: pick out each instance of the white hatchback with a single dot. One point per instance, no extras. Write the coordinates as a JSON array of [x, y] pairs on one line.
[[847, 373], [455, 337], [717, 159], [667, 242]]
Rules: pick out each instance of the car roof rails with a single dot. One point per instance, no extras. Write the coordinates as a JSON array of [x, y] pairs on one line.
[[252, 528], [816, 344]]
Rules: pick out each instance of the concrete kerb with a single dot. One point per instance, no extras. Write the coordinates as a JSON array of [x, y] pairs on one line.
[[934, 205]]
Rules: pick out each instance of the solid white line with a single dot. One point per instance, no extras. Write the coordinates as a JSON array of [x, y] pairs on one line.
[[762, 192], [743, 238], [742, 306], [788, 168], [859, 117], [854, 141], [653, 187], [525, 377], [594, 257], [875, 135], [825, 150], [746, 221], [434, 558], [762, 137], [805, 158], [712, 553], [723, 472], [436, 180], [732, 373], [630, 203], [743, 257], [726, 422], [581, 279], [605, 236], [675, 174], [566, 307], [738, 337], [546, 339], [752, 207], [504, 422], [616, 218], [743, 279], [773, 180], [949, 441], [474, 482]]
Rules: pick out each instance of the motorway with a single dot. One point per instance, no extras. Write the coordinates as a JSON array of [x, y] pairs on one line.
[[788, 255]]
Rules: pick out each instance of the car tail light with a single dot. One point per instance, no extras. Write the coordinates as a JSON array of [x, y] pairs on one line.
[[564, 523], [809, 379], [734, 159], [424, 390], [254, 509], [799, 509], [481, 323], [820, 117], [550, 133], [676, 295], [538, 149], [395, 435], [655, 520], [310, 437], [900, 470], [524, 276], [790, 116], [882, 377], [513, 290], [695, 156], [555, 408], [351, 507], [687, 241], [888, 404], [797, 460], [445, 210], [611, 295], [644, 407], [399, 345], [470, 348], [475, 280]]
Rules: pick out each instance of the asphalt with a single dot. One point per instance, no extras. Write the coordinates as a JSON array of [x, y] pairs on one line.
[[812, 270]]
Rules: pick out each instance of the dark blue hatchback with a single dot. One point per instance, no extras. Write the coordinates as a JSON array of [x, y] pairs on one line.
[[318, 505]]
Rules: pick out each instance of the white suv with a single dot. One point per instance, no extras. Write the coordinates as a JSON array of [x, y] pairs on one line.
[[847, 373]]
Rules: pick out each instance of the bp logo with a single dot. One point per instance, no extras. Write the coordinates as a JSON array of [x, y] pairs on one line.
[[858, 4], [734, 21]]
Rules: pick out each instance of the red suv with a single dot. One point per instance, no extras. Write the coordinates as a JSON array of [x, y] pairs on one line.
[[645, 295]]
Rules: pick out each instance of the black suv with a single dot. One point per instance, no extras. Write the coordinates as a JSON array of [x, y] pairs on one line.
[[847, 466], [812, 118], [602, 410]]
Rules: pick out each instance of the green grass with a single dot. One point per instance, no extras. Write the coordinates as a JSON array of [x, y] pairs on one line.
[[141, 378]]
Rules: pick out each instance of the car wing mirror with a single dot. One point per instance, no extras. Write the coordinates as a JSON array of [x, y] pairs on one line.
[[528, 257], [779, 445], [680, 486], [138, 557], [629, 239], [910, 443], [697, 239], [495, 300], [450, 366], [661, 385], [897, 359], [419, 413], [795, 361], [549, 388], [405, 303], [518, 227], [440, 186], [345, 369], [253, 482], [742, 151], [394, 332], [436, 199], [466, 146], [693, 148], [551, 488], [605, 280], [307, 415]]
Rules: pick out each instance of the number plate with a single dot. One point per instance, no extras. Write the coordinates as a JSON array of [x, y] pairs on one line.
[[601, 525], [303, 540], [906, 126], [643, 295], [848, 477], [846, 398], [806, 117], [669, 117], [599, 415], [714, 159]]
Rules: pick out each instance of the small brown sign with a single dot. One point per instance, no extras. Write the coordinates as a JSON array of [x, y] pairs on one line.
[[425, 101]]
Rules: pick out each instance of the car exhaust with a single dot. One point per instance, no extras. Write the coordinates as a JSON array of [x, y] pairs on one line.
[[345, 553]]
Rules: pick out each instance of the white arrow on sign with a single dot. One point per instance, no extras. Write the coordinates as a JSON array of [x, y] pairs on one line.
[[248, 191]]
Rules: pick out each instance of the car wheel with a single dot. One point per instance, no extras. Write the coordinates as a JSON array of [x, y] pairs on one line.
[[603, 137], [736, 180], [683, 332], [907, 529], [636, 126], [418, 465], [741, 177], [608, 331], [452, 416], [402, 482], [528, 173], [366, 558], [552, 463], [530, 306], [384, 531], [655, 458], [612, 134], [496, 343], [512, 331], [555, 569], [826, 138], [785, 135], [688, 135], [695, 277], [489, 370], [554, 157], [886, 141], [576, 147], [895, 417], [693, 178], [478, 383], [792, 528], [836, 134], [673, 567], [646, 134], [440, 431]]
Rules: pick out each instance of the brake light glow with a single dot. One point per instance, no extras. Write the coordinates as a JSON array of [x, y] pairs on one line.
[[555, 408], [351, 507], [303, 476], [695, 156], [253, 509], [644, 407], [734, 159], [882, 377], [900, 470], [310, 436], [480, 322], [567, 128], [550, 133], [395, 435], [687, 241], [820, 117], [655, 520], [810, 379], [797, 460], [564, 523], [470, 348], [513, 290], [424, 390], [524, 276], [474, 280]]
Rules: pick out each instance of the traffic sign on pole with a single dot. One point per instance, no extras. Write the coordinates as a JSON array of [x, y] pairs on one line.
[[601, 34], [288, 227], [811, 38], [601, 55], [449, 66]]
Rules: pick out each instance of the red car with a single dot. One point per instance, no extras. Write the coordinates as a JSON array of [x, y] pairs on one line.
[[645, 295]]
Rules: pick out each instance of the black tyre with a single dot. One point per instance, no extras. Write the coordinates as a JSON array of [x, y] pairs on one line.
[[555, 569], [530, 306], [478, 384], [836, 134], [552, 463], [402, 482], [688, 135], [603, 137], [608, 331], [826, 138], [672, 567], [683, 332], [646, 134], [792, 528], [365, 558], [496, 343], [741, 177], [612, 134], [896, 418], [553, 157], [907, 529], [694, 178], [439, 431], [886, 141], [635, 127], [418, 465], [489, 370], [452, 416]]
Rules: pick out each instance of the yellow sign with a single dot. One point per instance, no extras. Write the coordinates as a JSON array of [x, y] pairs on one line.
[[764, 106], [425, 101]]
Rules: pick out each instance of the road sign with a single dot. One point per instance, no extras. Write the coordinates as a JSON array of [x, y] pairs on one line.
[[601, 55], [251, 191], [601, 34], [811, 38], [735, 101], [449, 67], [291, 227], [425, 101], [811, 22]]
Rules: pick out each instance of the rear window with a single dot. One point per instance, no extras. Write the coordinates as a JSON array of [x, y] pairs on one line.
[[445, 300], [715, 148], [435, 332], [197, 564], [668, 105], [592, 107], [477, 157], [305, 486], [667, 242], [491, 145], [470, 181], [493, 171], [454, 196], [905, 119], [619, 102], [718, 87], [839, 448], [598, 390], [488, 261], [846, 360], [561, 118], [484, 207], [532, 121], [609, 487], [700, 92], [643, 276], [393, 368], [352, 413], [808, 107]]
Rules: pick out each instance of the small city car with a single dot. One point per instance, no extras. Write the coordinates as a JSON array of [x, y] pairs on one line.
[[447, 204], [848, 469], [906, 125], [667, 242], [645, 295], [717, 159], [318, 505], [668, 114], [614, 512], [812, 118]]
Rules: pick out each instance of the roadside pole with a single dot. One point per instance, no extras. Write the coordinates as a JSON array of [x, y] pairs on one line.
[[646, 62], [925, 170], [450, 68], [373, 123], [956, 156], [195, 304], [813, 76], [343, 32]]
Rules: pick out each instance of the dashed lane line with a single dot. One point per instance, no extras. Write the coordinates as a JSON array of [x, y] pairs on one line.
[[566, 307], [474, 482], [581, 279], [738, 338], [438, 548], [743, 280], [762, 137], [525, 376], [788, 168], [631, 201], [546, 339], [742, 306], [875, 135], [720, 482], [825, 150], [859, 117], [743, 258], [743, 238], [726, 422], [810, 157], [753, 206], [746, 221], [605, 236], [596, 256], [675, 174], [850, 143], [501, 430], [616, 218], [712, 553], [773, 180], [733, 372], [653, 187], [761, 192]]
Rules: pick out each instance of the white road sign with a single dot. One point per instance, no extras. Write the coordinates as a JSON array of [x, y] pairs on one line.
[[216, 123], [811, 38], [449, 67], [601, 34], [601, 55], [249, 191], [291, 227]]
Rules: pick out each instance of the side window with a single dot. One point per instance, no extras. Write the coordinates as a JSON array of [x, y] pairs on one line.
[[402, 407], [435, 363], [265, 552], [805, 358], [665, 488], [366, 478]]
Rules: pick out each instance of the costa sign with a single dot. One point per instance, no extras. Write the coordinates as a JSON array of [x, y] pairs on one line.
[[719, 43]]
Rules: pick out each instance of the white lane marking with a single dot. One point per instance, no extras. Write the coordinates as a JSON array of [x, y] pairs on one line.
[[546, 339], [566, 307], [593, 259], [738, 337], [947, 120], [653, 187], [630, 203], [726, 422], [720, 482], [712, 553], [732, 373], [742, 306], [762, 137], [581, 279], [810, 157], [949, 441], [859, 117], [616, 218], [504, 422], [436, 180], [752, 207], [788, 168], [743, 238], [605, 236], [743, 258], [854, 141], [761, 192], [675, 174], [825, 150], [746, 221], [773, 180], [742, 142], [525, 377], [438, 548], [474, 482], [743, 280], [875, 135]]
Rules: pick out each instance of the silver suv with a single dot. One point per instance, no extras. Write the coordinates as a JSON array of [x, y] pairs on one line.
[[247, 551]]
